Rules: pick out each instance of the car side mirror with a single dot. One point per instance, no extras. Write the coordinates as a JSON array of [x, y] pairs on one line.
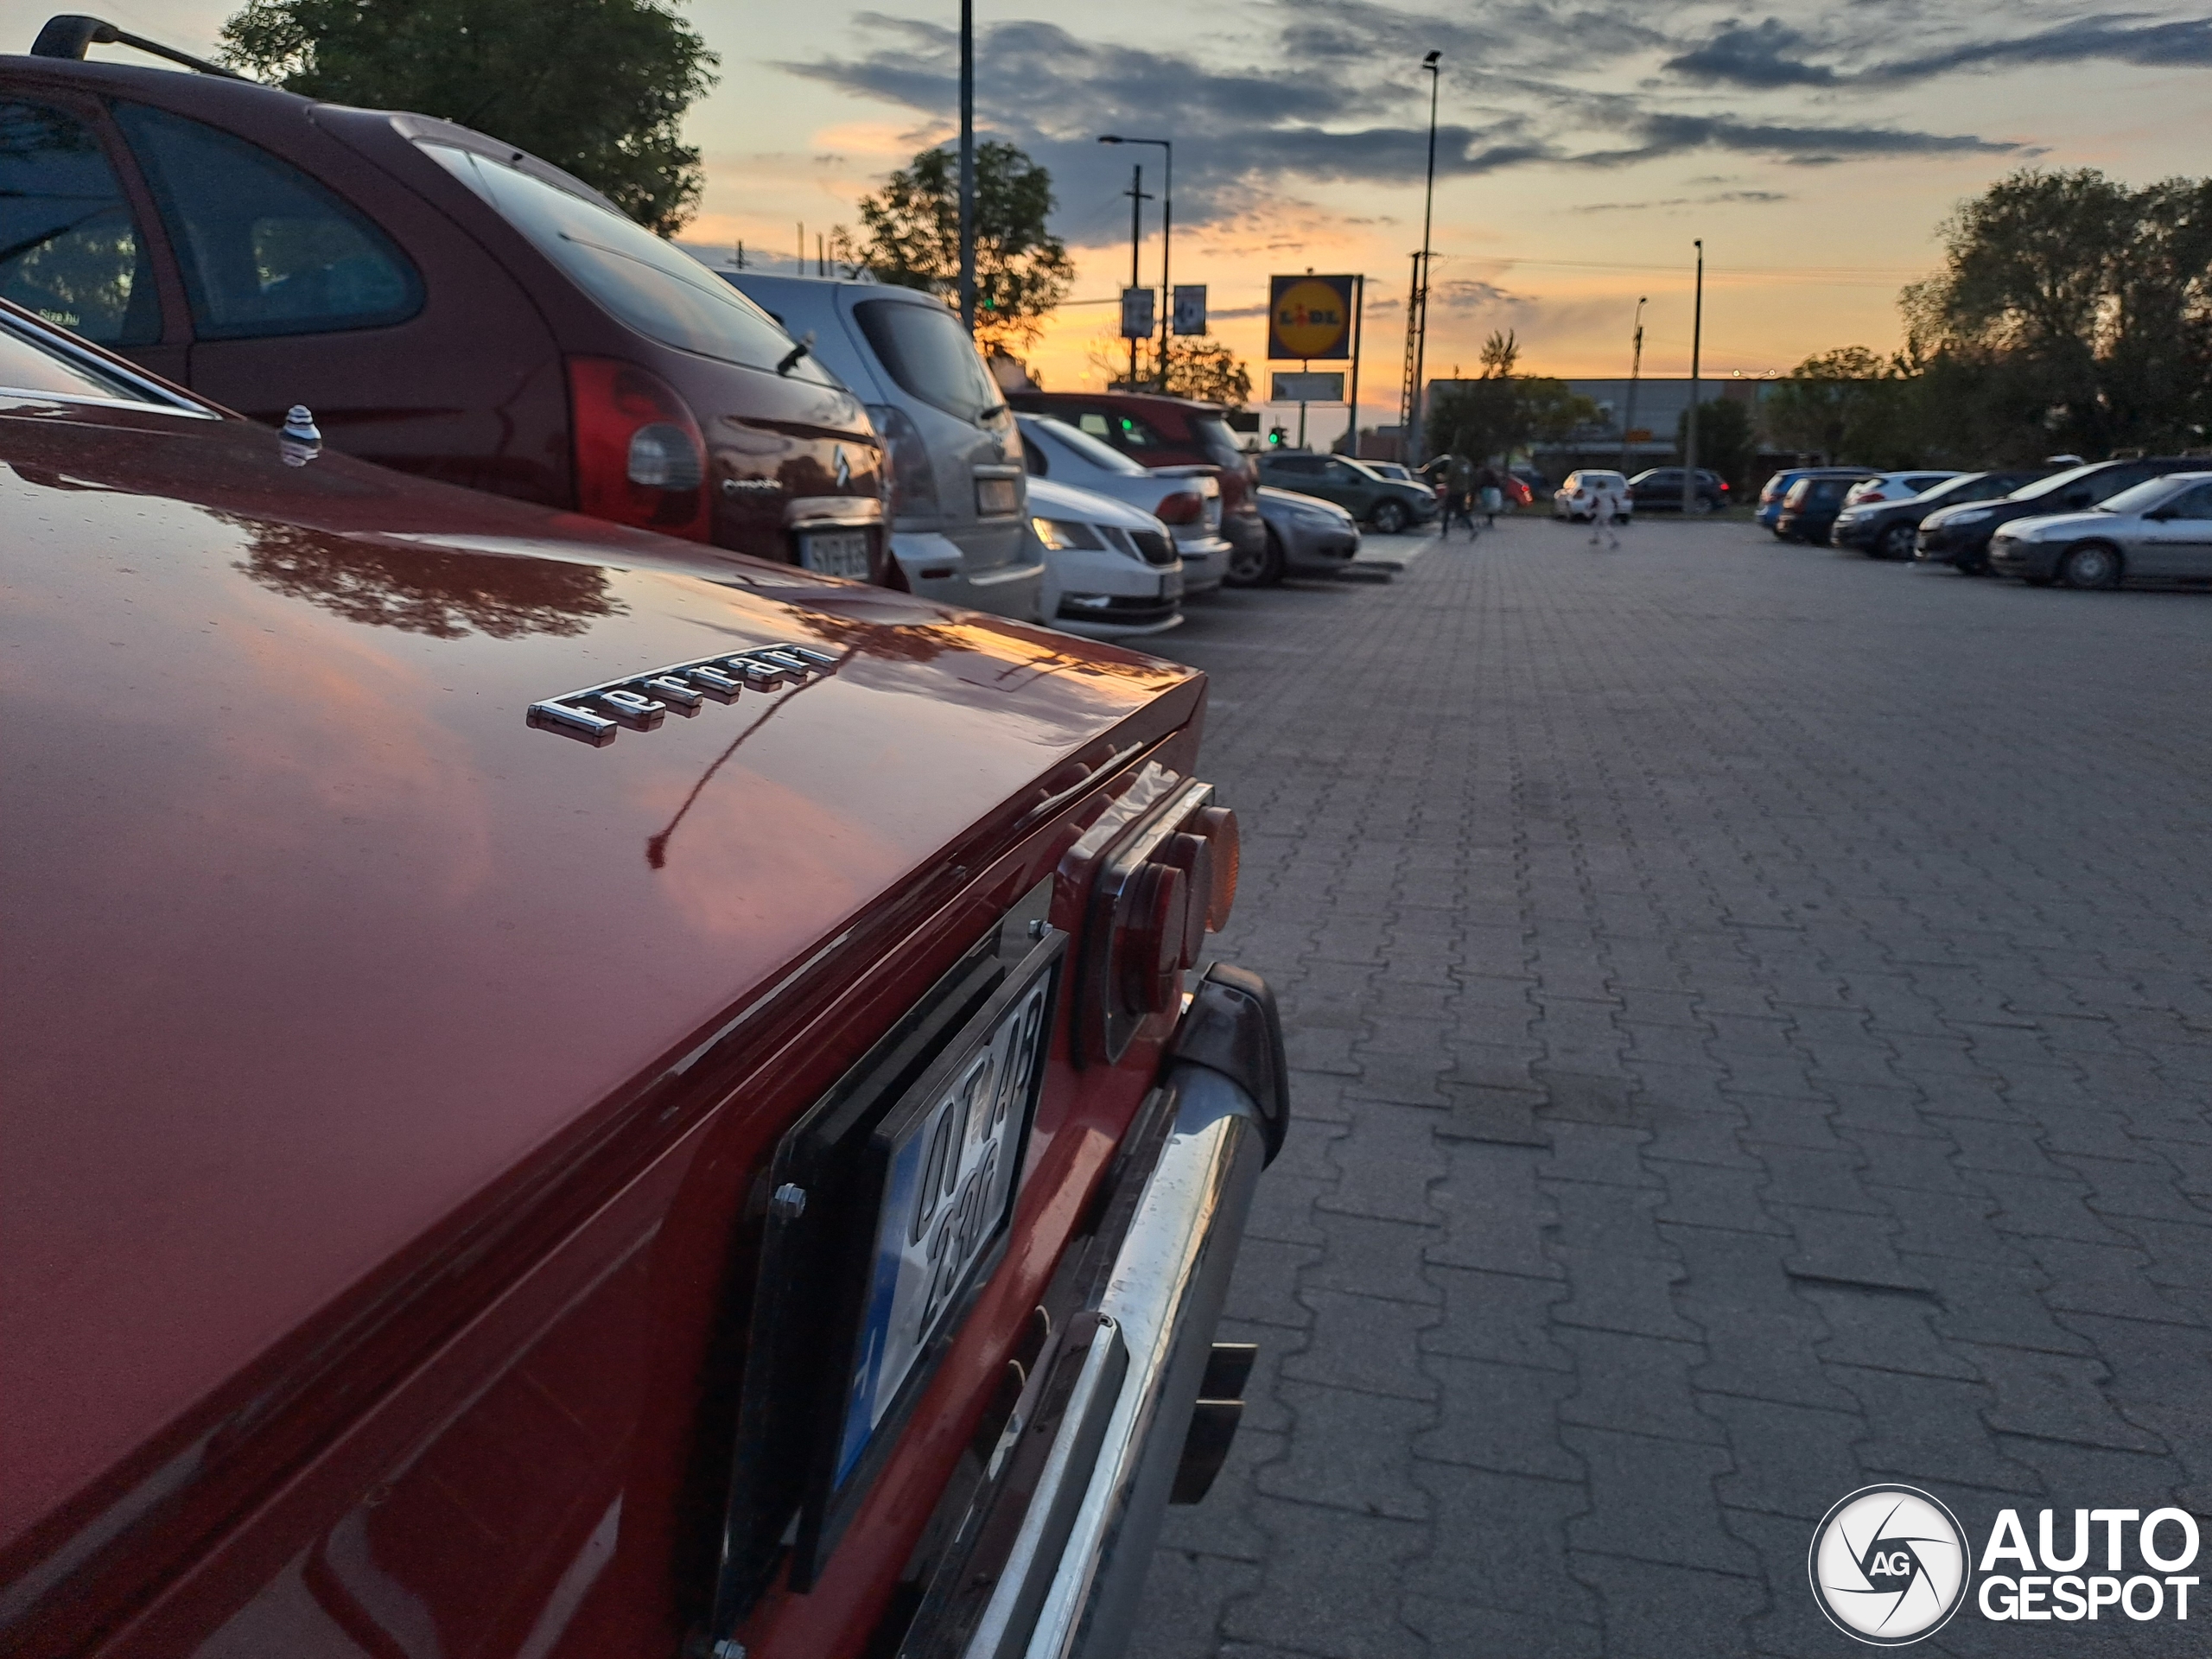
[[2160, 514]]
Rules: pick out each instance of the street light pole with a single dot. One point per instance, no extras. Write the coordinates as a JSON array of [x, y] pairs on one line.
[[1689, 434], [1137, 200], [1414, 456], [1166, 244], [1635, 369], [968, 165]]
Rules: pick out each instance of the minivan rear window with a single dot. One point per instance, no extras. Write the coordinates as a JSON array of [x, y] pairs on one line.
[[929, 355], [654, 286]]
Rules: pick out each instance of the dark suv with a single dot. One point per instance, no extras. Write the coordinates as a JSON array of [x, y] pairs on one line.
[[1960, 535], [444, 303], [1389, 505], [1154, 431], [1659, 489]]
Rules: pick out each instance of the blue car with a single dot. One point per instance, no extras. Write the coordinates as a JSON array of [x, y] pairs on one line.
[[1770, 492]]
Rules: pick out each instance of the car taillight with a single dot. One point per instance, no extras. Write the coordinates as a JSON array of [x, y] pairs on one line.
[[913, 479], [1184, 507], [641, 459], [1157, 900]]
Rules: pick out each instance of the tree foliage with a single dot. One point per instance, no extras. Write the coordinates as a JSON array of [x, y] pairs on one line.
[[913, 238], [1847, 406], [1199, 365], [596, 87], [1492, 417], [1725, 442]]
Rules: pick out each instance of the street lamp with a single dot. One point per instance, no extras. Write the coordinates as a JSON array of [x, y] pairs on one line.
[[1167, 241], [1418, 303], [966, 166], [1690, 437], [1635, 369]]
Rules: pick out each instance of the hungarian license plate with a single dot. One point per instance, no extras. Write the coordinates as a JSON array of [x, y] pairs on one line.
[[949, 1154], [835, 552], [1171, 585]]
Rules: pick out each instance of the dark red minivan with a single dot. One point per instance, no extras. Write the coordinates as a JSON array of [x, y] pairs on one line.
[[444, 303]]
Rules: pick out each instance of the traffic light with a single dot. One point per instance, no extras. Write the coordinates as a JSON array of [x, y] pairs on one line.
[[1276, 435]]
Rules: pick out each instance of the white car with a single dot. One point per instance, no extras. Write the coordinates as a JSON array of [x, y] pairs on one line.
[[1893, 487], [1111, 571], [1187, 499], [1577, 499]]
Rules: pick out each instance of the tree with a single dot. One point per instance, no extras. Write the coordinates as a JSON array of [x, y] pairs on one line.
[[1725, 443], [596, 87], [912, 226], [1199, 365], [1848, 406], [1492, 417], [1499, 354]]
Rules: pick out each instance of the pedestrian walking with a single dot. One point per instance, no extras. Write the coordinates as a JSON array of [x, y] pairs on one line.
[[1458, 495], [1603, 507], [1493, 496]]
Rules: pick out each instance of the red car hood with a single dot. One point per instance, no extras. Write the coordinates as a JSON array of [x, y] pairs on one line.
[[310, 936]]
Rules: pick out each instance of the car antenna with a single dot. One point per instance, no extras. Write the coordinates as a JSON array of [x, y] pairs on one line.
[[791, 357], [67, 34]]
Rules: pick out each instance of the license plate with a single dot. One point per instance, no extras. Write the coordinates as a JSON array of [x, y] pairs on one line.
[[835, 553], [950, 1153], [1171, 585]]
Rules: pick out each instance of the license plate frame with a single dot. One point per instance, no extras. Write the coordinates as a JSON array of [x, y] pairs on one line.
[[824, 1398], [842, 553]]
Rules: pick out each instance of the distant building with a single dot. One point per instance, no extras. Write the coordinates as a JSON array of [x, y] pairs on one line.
[[1648, 432]]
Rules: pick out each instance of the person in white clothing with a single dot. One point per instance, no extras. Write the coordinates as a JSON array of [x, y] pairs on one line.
[[1602, 509]]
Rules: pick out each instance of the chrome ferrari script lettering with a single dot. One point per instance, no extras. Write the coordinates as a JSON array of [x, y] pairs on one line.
[[641, 702]]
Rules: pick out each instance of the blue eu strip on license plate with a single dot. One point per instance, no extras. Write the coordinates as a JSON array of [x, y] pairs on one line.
[[952, 1156]]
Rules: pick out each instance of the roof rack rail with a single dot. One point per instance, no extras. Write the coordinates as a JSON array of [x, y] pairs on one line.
[[68, 35]]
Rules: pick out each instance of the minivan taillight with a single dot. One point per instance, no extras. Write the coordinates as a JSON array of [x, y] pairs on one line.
[[1184, 507], [641, 459]]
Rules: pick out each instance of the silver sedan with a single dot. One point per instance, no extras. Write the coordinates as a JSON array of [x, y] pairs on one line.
[[2158, 530], [1306, 537]]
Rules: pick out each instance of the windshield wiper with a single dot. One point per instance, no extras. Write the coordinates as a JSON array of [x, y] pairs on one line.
[[791, 357]]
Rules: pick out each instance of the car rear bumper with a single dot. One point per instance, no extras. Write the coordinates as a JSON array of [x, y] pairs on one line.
[[1055, 1547]]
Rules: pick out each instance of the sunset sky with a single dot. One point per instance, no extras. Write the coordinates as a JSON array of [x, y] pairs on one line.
[[1583, 144]]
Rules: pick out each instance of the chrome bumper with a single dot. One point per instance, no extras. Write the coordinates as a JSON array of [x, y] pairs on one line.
[[1052, 1559]]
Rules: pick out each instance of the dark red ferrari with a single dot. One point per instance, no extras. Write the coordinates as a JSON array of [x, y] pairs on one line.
[[570, 1093]]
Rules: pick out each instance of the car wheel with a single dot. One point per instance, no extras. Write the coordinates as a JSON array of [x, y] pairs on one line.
[[1388, 519], [1700, 503], [1257, 567], [1897, 542], [2090, 565]]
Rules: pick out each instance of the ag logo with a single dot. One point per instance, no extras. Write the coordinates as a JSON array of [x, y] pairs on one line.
[[1888, 1565]]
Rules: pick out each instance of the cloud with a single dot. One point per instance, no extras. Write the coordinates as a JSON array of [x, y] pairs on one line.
[[1243, 132], [1749, 196], [1771, 54]]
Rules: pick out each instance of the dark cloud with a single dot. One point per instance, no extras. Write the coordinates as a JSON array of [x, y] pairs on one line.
[[1771, 54], [1345, 101], [1755, 197]]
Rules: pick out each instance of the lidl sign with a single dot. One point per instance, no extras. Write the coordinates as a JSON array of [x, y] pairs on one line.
[[1309, 317]]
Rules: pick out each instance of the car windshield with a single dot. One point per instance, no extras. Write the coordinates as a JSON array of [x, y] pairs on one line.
[[28, 364], [2052, 485], [929, 355], [654, 286], [1962, 488], [2152, 492], [1081, 445], [1219, 442]]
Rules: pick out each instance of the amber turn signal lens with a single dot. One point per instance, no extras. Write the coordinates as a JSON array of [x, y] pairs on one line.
[[1148, 943], [1218, 825]]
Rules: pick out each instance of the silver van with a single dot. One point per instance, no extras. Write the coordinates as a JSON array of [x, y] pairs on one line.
[[959, 495]]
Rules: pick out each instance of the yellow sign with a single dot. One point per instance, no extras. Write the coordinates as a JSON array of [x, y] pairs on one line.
[[1309, 317]]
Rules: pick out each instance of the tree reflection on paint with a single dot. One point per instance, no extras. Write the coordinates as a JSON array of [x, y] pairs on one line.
[[428, 590]]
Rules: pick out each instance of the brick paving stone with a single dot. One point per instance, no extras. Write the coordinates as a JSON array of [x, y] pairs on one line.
[[1722, 1083]]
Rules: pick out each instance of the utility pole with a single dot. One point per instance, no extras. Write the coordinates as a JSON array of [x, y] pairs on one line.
[[1137, 200], [1635, 369], [968, 165], [1428, 212], [1689, 431], [1166, 247], [1408, 385]]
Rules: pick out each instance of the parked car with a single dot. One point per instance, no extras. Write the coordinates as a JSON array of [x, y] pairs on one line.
[[1777, 487], [2160, 530], [1894, 486], [1576, 498], [1110, 569], [1153, 430], [1306, 535], [1660, 488], [1960, 535], [1187, 499], [1385, 505], [1810, 508], [568, 1090], [1885, 529], [957, 517], [1390, 469], [447, 304]]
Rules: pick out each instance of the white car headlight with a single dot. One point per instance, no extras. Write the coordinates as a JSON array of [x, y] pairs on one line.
[[1062, 533]]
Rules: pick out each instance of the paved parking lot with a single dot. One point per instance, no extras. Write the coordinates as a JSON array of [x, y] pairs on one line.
[[1753, 1029]]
